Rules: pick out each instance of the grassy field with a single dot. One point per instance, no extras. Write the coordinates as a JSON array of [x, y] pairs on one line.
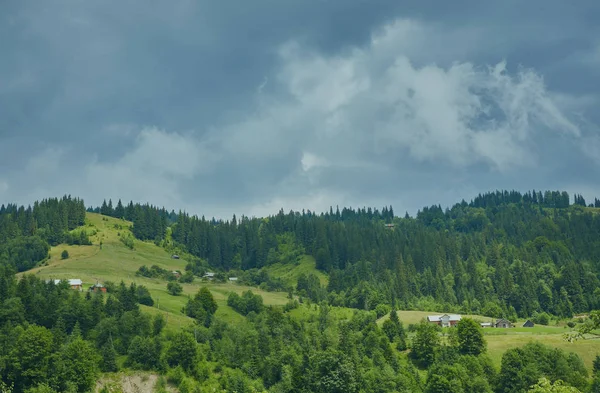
[[290, 273], [113, 261], [499, 343]]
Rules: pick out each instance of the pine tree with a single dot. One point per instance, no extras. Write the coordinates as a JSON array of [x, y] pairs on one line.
[[109, 358], [119, 210]]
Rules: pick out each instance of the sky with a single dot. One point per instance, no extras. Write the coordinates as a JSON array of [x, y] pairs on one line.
[[223, 107]]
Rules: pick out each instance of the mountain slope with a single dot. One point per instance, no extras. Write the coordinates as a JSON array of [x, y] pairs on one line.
[[109, 259]]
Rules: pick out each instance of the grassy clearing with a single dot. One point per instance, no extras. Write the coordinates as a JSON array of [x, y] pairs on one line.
[[290, 273], [307, 312], [498, 344]]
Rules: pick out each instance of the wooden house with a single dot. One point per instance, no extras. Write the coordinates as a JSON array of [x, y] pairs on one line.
[[528, 323], [503, 323], [446, 320], [97, 287]]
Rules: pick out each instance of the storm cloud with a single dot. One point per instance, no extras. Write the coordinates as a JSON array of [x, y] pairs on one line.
[[246, 108]]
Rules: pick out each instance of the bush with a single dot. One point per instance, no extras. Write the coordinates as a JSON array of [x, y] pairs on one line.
[[541, 318], [64, 255], [382, 309], [174, 288], [144, 297], [128, 241]]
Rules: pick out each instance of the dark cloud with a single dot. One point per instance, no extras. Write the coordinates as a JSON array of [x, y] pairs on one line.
[[222, 107]]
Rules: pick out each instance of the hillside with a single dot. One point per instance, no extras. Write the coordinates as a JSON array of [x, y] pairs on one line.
[[113, 261], [501, 255]]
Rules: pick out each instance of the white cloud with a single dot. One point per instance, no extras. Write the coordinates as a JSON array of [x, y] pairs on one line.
[[3, 187], [376, 100], [310, 161], [154, 170]]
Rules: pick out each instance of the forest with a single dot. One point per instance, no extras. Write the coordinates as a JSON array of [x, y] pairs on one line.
[[54, 339], [26, 234], [504, 254]]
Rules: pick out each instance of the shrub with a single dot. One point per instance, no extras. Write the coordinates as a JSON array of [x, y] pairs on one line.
[[174, 288], [541, 318], [64, 255]]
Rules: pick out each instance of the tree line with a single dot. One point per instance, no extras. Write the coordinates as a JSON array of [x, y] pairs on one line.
[[504, 254], [26, 233]]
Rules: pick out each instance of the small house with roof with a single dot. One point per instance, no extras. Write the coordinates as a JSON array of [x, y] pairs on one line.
[[74, 283], [209, 275], [446, 320], [528, 323], [97, 287], [503, 323]]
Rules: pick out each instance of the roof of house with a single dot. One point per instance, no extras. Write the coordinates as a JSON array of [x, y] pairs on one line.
[[502, 320], [232, 278], [486, 324], [437, 318], [72, 281], [209, 274]]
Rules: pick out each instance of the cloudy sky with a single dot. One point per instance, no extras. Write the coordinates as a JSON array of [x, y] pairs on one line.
[[222, 107]]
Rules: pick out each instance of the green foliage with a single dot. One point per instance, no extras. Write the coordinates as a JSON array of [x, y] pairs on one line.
[[470, 337], [545, 386], [523, 367], [64, 255], [541, 318], [310, 286], [143, 296], [246, 303], [41, 388], [202, 307], [109, 358], [128, 240], [144, 353], [187, 277], [174, 288], [23, 253], [331, 371], [424, 344], [182, 351], [158, 324], [77, 366], [394, 330]]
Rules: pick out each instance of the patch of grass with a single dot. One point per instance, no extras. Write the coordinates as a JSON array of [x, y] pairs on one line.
[[498, 344], [289, 273]]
